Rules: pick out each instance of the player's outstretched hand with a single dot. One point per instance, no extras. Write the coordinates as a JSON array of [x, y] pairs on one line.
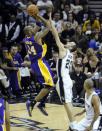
[[50, 22]]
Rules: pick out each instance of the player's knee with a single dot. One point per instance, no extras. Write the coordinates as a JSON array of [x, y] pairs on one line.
[[49, 88]]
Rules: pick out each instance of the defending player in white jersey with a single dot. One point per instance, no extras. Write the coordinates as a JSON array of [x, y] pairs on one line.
[[64, 83], [92, 108]]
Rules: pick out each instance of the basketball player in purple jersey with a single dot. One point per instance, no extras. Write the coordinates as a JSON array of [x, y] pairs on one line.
[[36, 50]]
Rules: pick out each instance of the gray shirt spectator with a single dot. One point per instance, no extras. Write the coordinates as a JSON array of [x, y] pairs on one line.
[[43, 5]]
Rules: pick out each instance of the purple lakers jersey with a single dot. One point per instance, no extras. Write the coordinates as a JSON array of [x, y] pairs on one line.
[[1, 111], [34, 50], [39, 65]]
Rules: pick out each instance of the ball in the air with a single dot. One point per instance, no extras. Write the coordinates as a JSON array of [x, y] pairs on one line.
[[32, 10]]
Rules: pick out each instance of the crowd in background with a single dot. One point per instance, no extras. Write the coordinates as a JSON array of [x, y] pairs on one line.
[[74, 21]]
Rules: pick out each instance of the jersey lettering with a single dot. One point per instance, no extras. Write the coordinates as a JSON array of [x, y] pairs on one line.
[[31, 50], [28, 43], [68, 62]]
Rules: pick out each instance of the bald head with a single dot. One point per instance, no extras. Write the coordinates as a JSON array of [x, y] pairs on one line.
[[88, 84], [30, 30]]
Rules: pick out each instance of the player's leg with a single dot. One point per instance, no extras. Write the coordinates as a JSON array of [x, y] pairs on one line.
[[83, 124], [44, 77], [42, 93], [1, 113], [7, 119], [64, 89], [68, 106], [3, 116], [98, 124], [41, 105], [30, 104]]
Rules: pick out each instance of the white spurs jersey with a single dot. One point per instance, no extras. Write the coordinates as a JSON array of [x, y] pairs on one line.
[[64, 65], [89, 107]]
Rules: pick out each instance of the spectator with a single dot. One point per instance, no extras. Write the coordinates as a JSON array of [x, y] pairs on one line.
[[66, 11], [67, 32], [88, 29], [78, 34], [100, 18], [91, 62], [93, 22], [84, 14], [92, 43], [99, 52], [23, 16], [44, 5], [4, 81], [14, 31], [58, 22], [15, 61], [46, 15], [59, 5], [3, 32], [78, 78], [73, 22], [76, 7], [83, 43]]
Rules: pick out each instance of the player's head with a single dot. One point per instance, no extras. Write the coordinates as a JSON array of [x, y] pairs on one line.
[[88, 84], [68, 44], [28, 31], [71, 46], [31, 30]]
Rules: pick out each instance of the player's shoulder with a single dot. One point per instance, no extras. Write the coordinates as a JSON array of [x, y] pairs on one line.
[[69, 52], [95, 98]]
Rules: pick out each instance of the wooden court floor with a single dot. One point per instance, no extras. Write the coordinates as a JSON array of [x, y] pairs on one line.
[[56, 120]]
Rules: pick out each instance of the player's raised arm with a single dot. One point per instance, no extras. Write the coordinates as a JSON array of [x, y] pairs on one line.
[[41, 34], [33, 11], [55, 34], [44, 31], [42, 19], [96, 106]]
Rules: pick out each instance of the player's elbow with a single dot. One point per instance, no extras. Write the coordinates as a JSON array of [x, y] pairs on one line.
[[97, 113]]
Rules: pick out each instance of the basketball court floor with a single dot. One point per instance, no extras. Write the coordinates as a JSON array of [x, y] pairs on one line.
[[56, 120]]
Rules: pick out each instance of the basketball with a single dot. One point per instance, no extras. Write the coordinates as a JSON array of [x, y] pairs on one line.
[[32, 10]]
